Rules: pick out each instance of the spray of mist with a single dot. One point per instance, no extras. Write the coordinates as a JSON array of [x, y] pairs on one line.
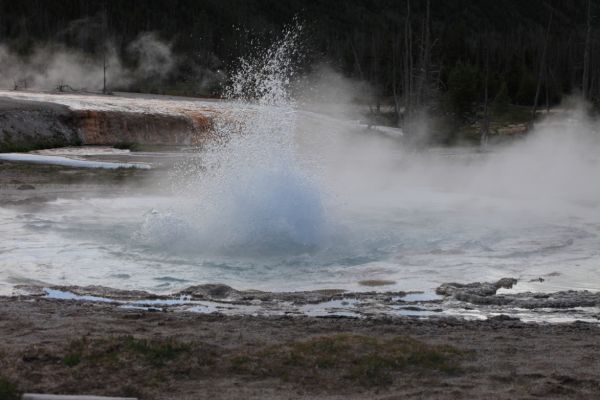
[[247, 193]]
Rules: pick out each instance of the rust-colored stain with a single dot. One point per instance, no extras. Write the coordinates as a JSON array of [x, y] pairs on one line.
[[203, 124], [113, 127]]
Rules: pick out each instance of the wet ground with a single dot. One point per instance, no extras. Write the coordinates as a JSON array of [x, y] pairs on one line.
[[474, 301]]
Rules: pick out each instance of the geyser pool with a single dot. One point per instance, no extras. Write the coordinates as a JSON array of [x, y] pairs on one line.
[[417, 235], [287, 200]]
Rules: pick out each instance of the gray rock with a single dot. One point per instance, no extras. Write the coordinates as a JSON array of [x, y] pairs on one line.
[[28, 125], [485, 293], [25, 187], [211, 291]]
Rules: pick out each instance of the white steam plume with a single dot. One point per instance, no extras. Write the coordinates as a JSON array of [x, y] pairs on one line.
[[52, 66], [154, 57]]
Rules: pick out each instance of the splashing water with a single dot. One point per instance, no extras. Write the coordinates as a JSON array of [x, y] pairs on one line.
[[247, 193]]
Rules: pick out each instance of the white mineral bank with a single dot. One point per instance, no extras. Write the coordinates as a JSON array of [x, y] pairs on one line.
[[68, 162]]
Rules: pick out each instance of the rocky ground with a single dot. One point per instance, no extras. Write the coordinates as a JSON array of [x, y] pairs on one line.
[[27, 125], [61, 346]]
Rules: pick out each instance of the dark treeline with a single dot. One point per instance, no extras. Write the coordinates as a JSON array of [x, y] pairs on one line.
[[470, 57]]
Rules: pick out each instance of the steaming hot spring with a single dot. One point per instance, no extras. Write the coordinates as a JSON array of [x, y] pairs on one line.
[[285, 199]]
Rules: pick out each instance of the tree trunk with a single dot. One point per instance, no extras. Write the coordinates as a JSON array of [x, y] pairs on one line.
[[408, 66], [585, 82], [104, 48], [542, 66], [357, 61], [395, 45], [423, 66], [485, 129]]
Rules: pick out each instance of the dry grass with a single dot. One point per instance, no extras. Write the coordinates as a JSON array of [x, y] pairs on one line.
[[126, 365], [344, 359]]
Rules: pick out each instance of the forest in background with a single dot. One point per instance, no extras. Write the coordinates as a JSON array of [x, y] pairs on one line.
[[470, 61]]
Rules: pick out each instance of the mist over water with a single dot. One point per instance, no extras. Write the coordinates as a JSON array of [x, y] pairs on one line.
[[317, 196], [289, 199]]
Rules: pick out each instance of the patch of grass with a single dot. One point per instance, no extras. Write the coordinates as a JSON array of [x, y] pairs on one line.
[[156, 352], [127, 366], [130, 391], [8, 390], [347, 358], [240, 363], [125, 350], [72, 359]]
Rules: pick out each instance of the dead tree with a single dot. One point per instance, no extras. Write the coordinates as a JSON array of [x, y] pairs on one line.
[[542, 66], [485, 128], [424, 59], [408, 65], [395, 91], [104, 48], [585, 81]]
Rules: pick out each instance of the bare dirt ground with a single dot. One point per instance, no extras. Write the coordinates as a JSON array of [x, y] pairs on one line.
[[59, 346]]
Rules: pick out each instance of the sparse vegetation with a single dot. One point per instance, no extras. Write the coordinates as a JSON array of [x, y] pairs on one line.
[[123, 350], [189, 356], [8, 390], [333, 362], [72, 359], [346, 359]]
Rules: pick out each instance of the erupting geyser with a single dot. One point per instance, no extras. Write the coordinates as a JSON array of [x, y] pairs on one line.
[[247, 193], [286, 199]]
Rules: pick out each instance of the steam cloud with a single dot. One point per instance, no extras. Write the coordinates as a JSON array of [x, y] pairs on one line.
[[52, 66], [327, 91], [553, 169], [154, 57]]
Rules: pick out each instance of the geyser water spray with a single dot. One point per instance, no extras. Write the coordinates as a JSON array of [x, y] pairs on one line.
[[247, 193]]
